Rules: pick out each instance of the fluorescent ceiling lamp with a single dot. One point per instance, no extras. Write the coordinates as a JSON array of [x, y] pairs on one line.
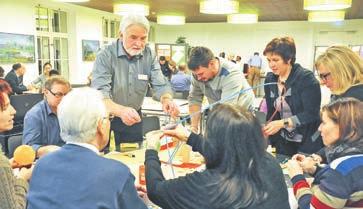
[[327, 4], [124, 9], [242, 18], [170, 19], [219, 6], [72, 1], [326, 16]]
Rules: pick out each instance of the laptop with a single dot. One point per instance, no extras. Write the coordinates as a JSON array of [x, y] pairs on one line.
[[23, 103]]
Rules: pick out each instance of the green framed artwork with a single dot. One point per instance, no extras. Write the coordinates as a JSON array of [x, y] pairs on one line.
[[16, 48]]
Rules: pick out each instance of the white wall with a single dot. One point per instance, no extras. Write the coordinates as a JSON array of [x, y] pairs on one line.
[[84, 23], [245, 39]]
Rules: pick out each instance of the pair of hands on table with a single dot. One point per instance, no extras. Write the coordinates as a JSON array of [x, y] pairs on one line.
[[179, 133], [130, 116], [300, 163]]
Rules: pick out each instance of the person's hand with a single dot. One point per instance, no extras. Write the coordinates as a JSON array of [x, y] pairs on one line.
[[129, 116], [25, 173], [180, 133], [153, 140], [46, 149], [298, 157], [273, 127], [308, 165], [141, 191], [317, 158], [294, 168], [170, 107]]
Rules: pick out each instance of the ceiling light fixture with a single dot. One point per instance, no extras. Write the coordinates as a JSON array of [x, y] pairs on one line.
[[124, 9], [242, 18], [326, 4], [326, 16], [219, 6], [170, 19]]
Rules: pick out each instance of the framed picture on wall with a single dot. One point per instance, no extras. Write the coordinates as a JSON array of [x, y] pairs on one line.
[[90, 49], [16, 48]]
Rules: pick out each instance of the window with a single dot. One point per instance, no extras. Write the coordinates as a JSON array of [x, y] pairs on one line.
[[52, 39], [110, 30]]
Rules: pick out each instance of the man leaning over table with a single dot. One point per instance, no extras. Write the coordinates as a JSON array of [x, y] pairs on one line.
[[215, 78], [76, 176], [123, 71]]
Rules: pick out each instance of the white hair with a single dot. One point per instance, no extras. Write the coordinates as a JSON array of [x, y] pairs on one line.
[[79, 113], [133, 19]]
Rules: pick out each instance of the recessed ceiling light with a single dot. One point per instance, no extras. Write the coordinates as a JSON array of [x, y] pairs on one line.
[[326, 16], [170, 19], [327, 4], [242, 18], [219, 6], [124, 9]]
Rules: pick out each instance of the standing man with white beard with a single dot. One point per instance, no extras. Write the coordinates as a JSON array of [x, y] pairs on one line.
[[122, 72]]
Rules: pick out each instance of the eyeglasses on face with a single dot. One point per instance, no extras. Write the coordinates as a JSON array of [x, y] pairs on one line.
[[324, 76], [57, 94]]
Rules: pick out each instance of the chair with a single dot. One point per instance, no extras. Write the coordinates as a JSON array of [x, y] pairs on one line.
[[13, 143], [150, 123]]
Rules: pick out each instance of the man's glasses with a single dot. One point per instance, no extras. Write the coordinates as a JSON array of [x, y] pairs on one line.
[[58, 94], [324, 76]]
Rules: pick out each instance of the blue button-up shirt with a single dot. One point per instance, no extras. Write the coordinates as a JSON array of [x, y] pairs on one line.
[[125, 80], [255, 61], [41, 127], [181, 82]]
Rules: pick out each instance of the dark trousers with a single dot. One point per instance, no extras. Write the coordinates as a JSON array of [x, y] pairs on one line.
[[124, 133]]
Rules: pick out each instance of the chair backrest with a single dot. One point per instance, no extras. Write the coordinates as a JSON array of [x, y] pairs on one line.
[[13, 143], [150, 123], [23, 103]]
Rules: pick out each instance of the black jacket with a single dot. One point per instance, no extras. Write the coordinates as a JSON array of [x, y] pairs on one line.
[[304, 102]]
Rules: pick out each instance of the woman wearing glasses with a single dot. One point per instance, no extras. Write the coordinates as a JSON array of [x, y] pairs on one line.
[[293, 104], [12, 188], [340, 183], [341, 70]]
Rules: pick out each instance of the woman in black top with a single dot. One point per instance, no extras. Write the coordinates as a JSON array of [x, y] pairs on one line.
[[293, 104], [239, 172]]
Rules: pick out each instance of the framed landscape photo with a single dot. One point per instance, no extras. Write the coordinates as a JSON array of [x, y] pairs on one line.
[[90, 49], [16, 48]]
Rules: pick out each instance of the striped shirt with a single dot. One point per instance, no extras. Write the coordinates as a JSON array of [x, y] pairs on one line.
[[338, 185]]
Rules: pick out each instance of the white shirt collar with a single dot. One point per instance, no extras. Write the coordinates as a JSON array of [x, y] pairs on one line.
[[86, 145]]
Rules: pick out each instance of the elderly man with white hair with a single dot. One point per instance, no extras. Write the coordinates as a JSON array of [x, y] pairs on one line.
[[123, 71], [76, 176]]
